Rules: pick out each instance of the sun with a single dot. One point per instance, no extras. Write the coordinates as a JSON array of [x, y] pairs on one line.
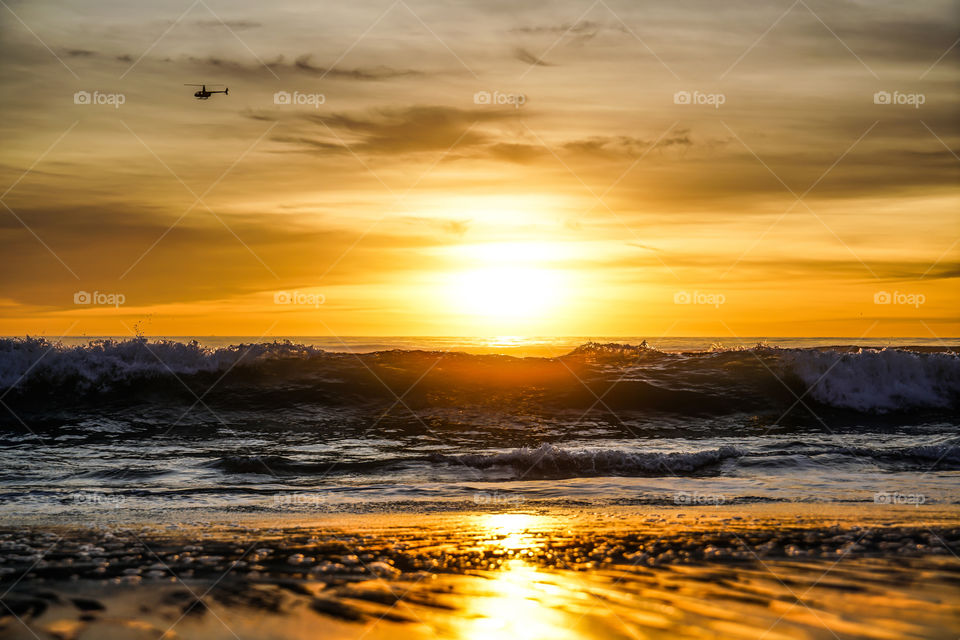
[[506, 292], [508, 282]]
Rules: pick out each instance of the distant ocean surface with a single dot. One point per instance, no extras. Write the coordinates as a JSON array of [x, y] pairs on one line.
[[533, 345], [361, 424]]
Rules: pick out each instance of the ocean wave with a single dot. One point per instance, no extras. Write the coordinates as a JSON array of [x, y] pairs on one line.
[[626, 377], [549, 461], [940, 456], [108, 364], [278, 465], [878, 380], [943, 456]]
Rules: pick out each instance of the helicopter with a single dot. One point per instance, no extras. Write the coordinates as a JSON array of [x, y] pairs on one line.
[[204, 93]]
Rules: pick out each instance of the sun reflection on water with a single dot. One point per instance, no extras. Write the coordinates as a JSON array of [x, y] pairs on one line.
[[518, 598], [517, 605], [511, 531]]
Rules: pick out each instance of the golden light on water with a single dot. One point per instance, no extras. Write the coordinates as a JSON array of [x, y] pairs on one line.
[[511, 530], [516, 606], [515, 599]]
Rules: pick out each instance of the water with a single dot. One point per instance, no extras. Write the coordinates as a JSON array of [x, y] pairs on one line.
[[548, 346], [439, 423]]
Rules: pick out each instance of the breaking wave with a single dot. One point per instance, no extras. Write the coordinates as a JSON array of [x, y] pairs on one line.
[[629, 377]]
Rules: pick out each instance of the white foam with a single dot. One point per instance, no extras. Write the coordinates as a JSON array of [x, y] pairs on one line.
[[878, 380], [103, 363]]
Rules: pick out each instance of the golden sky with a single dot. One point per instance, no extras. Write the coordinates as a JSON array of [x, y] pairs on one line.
[[481, 168]]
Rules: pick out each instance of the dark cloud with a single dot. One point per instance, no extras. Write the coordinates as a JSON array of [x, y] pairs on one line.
[[432, 128], [303, 63], [236, 25], [523, 55], [233, 66], [578, 32], [399, 130], [625, 146]]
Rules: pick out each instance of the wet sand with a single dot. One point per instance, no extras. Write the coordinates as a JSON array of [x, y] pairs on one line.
[[746, 571]]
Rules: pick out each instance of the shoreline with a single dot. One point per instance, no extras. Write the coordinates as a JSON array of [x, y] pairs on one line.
[[751, 511]]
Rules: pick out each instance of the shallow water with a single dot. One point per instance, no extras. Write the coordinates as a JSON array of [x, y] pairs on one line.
[[732, 572]]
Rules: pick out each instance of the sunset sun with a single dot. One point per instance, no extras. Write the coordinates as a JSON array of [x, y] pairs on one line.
[[506, 282], [506, 292]]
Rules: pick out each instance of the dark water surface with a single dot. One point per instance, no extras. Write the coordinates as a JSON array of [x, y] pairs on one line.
[[165, 424]]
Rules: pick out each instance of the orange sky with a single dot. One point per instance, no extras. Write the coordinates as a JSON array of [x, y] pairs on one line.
[[678, 169]]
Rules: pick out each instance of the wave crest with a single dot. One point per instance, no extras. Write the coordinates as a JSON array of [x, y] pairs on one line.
[[549, 461], [878, 380], [630, 377], [107, 364]]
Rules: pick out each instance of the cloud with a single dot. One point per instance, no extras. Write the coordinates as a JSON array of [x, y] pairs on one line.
[[625, 146], [910, 39], [765, 269], [197, 259], [456, 228], [303, 63], [399, 130], [516, 152], [523, 55], [236, 25], [578, 32]]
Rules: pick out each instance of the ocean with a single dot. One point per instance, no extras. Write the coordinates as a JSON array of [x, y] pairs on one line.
[[138, 426]]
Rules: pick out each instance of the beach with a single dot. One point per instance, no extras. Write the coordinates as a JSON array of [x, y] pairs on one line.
[[773, 571]]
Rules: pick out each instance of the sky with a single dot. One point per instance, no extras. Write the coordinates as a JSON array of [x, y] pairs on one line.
[[414, 167]]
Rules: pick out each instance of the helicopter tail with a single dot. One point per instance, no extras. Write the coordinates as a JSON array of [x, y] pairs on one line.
[[226, 91]]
